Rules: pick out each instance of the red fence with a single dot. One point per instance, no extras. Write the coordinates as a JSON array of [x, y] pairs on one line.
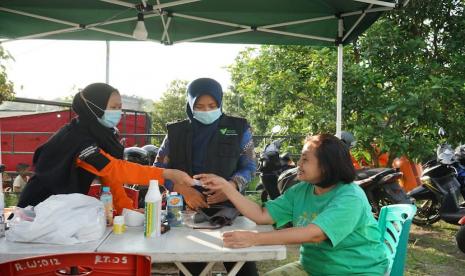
[[21, 135]]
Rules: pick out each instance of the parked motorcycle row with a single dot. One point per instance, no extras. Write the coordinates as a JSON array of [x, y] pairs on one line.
[[441, 195]]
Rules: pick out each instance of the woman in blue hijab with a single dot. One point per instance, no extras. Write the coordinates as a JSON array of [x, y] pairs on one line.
[[209, 141]]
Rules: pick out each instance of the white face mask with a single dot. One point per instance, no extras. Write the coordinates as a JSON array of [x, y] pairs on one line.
[[110, 118], [207, 117]]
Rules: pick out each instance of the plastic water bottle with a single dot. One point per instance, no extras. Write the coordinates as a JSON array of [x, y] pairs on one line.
[[152, 224], [107, 199]]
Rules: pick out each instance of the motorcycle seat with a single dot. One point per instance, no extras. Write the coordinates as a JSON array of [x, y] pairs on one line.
[[365, 173]]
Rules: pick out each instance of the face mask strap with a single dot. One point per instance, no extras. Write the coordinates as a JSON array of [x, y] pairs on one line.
[[86, 103]]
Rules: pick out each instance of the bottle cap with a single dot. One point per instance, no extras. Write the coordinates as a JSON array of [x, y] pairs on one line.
[[105, 189], [173, 193]]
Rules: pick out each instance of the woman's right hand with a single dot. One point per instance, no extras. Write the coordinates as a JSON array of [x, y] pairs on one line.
[[194, 199], [178, 177]]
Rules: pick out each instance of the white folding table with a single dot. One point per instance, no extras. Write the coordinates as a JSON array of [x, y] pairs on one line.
[[183, 244], [17, 250]]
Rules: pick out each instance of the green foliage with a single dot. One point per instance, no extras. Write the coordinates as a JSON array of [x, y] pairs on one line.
[[171, 106], [6, 86], [286, 85], [402, 81], [413, 79]]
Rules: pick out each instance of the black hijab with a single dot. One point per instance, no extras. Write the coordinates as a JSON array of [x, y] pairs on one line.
[[202, 134], [55, 170], [84, 104]]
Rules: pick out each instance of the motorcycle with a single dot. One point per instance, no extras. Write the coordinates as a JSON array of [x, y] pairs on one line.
[[144, 156], [439, 195], [380, 185], [270, 166]]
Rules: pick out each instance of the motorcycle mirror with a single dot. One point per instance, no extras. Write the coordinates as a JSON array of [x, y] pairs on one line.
[[276, 129], [441, 132]]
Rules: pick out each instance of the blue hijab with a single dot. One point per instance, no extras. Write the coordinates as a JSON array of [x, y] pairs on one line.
[[202, 134]]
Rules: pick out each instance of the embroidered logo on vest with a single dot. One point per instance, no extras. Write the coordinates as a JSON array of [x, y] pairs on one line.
[[228, 132]]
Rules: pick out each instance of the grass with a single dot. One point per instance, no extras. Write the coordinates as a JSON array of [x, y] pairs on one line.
[[432, 251]]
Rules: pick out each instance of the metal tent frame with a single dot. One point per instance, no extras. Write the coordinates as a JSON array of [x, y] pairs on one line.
[[348, 25]]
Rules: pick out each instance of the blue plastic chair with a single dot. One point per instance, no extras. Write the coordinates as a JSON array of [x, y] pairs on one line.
[[394, 224]]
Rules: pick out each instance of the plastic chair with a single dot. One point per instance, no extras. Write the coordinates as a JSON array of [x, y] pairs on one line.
[[94, 264], [95, 190], [134, 195], [394, 224]]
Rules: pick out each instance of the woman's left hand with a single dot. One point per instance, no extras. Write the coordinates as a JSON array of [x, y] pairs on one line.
[[239, 239]]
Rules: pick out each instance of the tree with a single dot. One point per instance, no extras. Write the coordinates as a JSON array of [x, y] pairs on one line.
[[6, 86], [402, 80], [286, 85], [411, 74], [171, 106]]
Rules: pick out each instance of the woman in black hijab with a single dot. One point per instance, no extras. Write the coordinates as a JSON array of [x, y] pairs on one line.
[[87, 147]]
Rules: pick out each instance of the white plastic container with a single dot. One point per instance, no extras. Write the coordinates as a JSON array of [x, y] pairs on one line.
[[152, 224], [133, 218], [118, 225]]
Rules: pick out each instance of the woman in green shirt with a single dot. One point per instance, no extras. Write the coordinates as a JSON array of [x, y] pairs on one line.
[[331, 215]]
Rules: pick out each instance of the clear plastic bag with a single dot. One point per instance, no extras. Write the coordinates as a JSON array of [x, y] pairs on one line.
[[60, 219]]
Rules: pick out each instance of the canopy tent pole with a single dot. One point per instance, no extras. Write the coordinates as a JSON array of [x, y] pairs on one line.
[[107, 67], [340, 63]]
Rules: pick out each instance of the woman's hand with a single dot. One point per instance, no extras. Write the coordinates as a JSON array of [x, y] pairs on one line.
[[183, 185], [239, 239], [178, 177], [215, 197], [215, 183], [193, 198], [217, 187]]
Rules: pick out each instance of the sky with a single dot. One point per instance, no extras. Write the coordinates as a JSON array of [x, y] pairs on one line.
[[51, 69]]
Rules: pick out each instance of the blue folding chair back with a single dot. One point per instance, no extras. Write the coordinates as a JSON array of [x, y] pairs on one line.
[[394, 224]]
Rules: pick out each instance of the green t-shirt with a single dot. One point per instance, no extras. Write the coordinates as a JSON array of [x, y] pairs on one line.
[[344, 215]]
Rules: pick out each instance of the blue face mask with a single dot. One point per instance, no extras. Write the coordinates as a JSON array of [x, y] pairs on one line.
[[110, 118], [207, 117]]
